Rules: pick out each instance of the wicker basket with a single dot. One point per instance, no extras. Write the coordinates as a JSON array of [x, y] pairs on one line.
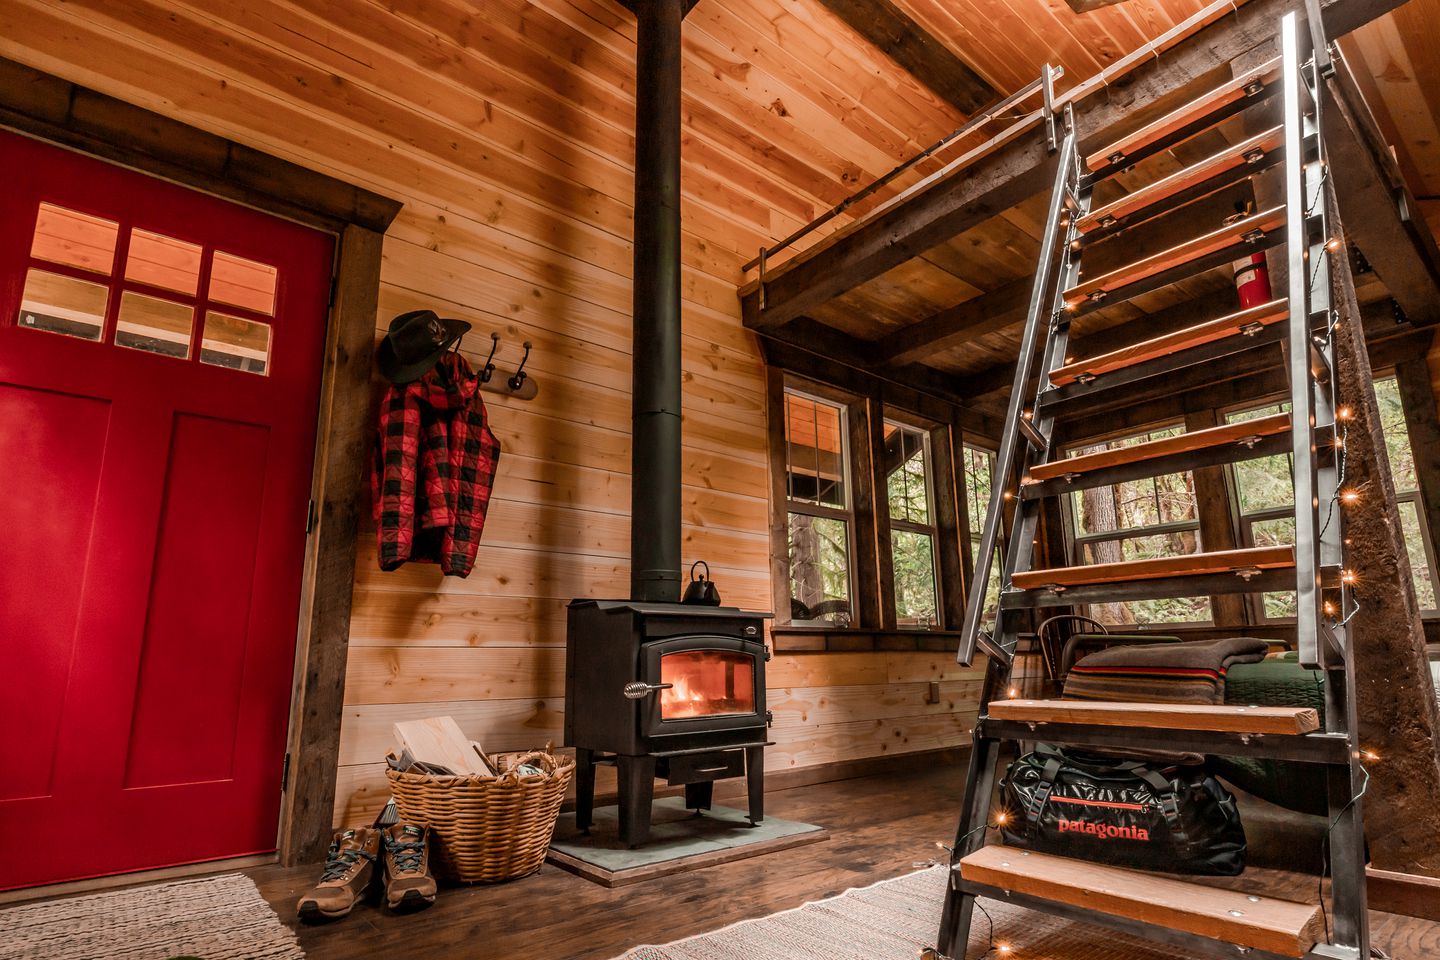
[[487, 829]]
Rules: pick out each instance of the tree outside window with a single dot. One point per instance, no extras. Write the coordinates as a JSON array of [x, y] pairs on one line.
[[1138, 520], [818, 509]]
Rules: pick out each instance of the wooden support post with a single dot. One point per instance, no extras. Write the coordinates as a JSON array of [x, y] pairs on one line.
[[1395, 696]]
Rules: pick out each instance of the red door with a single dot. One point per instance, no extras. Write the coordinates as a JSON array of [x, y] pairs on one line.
[[159, 373]]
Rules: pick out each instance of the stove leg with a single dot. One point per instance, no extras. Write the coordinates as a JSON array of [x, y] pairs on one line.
[[584, 788], [699, 795], [755, 782], [637, 793]]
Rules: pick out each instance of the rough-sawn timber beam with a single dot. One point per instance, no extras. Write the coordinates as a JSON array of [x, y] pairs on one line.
[[1381, 215], [1019, 171], [916, 50]]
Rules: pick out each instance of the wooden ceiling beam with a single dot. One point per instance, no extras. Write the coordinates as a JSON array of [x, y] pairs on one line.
[[988, 313], [917, 51], [1022, 169], [1379, 213], [826, 355]]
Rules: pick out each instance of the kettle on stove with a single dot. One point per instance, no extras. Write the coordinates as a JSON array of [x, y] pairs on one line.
[[702, 589]]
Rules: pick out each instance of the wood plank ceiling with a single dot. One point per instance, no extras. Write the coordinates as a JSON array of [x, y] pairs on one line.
[[1006, 44]]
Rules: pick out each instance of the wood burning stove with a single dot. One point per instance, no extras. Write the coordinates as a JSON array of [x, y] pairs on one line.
[[666, 690]]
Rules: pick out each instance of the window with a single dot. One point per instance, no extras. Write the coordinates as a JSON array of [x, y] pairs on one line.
[[819, 515], [1138, 520], [912, 525], [73, 283], [1418, 542], [866, 524], [979, 470], [1265, 501]]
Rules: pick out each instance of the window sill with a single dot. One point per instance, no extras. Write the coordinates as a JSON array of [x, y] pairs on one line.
[[790, 639]]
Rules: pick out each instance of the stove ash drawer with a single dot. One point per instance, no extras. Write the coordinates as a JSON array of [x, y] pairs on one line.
[[702, 767]]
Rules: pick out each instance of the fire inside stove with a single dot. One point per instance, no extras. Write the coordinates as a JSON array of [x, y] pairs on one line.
[[706, 683]]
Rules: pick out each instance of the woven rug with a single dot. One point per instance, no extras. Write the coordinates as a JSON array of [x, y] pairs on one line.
[[216, 918], [893, 920]]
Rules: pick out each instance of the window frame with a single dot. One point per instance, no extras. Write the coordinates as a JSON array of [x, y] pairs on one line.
[[931, 529], [807, 508], [1075, 542], [873, 608]]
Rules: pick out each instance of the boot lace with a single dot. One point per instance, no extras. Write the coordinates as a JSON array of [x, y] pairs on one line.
[[338, 862], [407, 854]]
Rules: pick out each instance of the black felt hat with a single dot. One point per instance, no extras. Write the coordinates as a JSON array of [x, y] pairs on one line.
[[416, 340]]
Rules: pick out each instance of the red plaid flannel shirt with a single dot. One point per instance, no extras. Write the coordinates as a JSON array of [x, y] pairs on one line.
[[434, 469]]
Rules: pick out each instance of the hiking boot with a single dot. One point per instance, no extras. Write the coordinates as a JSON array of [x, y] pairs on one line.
[[408, 883], [349, 868]]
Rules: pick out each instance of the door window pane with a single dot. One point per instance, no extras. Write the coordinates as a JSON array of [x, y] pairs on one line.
[[154, 325], [242, 283], [819, 569], [75, 239], [64, 305], [163, 262], [236, 343], [816, 465], [914, 561]]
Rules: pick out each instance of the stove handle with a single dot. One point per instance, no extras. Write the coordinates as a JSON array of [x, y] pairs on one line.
[[639, 690]]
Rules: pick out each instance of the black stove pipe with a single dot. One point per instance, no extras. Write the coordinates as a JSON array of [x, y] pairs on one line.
[[655, 396]]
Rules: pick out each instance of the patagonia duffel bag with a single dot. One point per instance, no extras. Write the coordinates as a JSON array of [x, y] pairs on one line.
[[1146, 814]]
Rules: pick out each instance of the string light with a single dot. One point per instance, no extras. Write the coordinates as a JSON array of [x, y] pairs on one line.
[[1344, 413], [1002, 818], [1003, 949], [1329, 609], [1332, 244], [1370, 755], [1349, 496], [1014, 693], [1347, 576]]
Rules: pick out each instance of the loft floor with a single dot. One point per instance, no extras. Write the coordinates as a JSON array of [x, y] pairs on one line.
[[880, 827]]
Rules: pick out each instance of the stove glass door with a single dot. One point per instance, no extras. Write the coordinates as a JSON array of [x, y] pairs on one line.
[[706, 683]]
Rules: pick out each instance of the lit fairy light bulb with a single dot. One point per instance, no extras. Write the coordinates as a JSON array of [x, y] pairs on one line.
[[1349, 497], [1347, 576]]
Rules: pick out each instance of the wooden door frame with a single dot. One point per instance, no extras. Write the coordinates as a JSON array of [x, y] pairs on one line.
[[40, 105]]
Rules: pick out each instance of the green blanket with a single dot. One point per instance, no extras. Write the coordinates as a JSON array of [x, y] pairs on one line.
[[1280, 682]]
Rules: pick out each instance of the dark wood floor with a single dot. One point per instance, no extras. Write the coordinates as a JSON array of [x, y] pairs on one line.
[[881, 827]]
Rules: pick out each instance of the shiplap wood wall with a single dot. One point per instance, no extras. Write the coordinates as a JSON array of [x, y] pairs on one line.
[[505, 128]]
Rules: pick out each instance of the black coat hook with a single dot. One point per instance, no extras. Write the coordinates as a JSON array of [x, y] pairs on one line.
[[518, 381], [488, 370]]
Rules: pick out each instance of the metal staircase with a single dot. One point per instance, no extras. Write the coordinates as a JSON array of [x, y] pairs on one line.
[[1192, 917]]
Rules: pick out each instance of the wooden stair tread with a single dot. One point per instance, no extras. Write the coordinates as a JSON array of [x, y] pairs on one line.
[[1208, 332], [1217, 718], [1194, 564], [1212, 101], [1230, 433], [1260, 923], [1228, 235], [1231, 158]]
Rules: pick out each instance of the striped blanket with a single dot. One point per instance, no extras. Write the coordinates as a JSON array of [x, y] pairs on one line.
[[1192, 672]]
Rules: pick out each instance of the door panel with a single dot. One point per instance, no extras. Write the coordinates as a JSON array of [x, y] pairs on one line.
[[50, 447], [160, 355]]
